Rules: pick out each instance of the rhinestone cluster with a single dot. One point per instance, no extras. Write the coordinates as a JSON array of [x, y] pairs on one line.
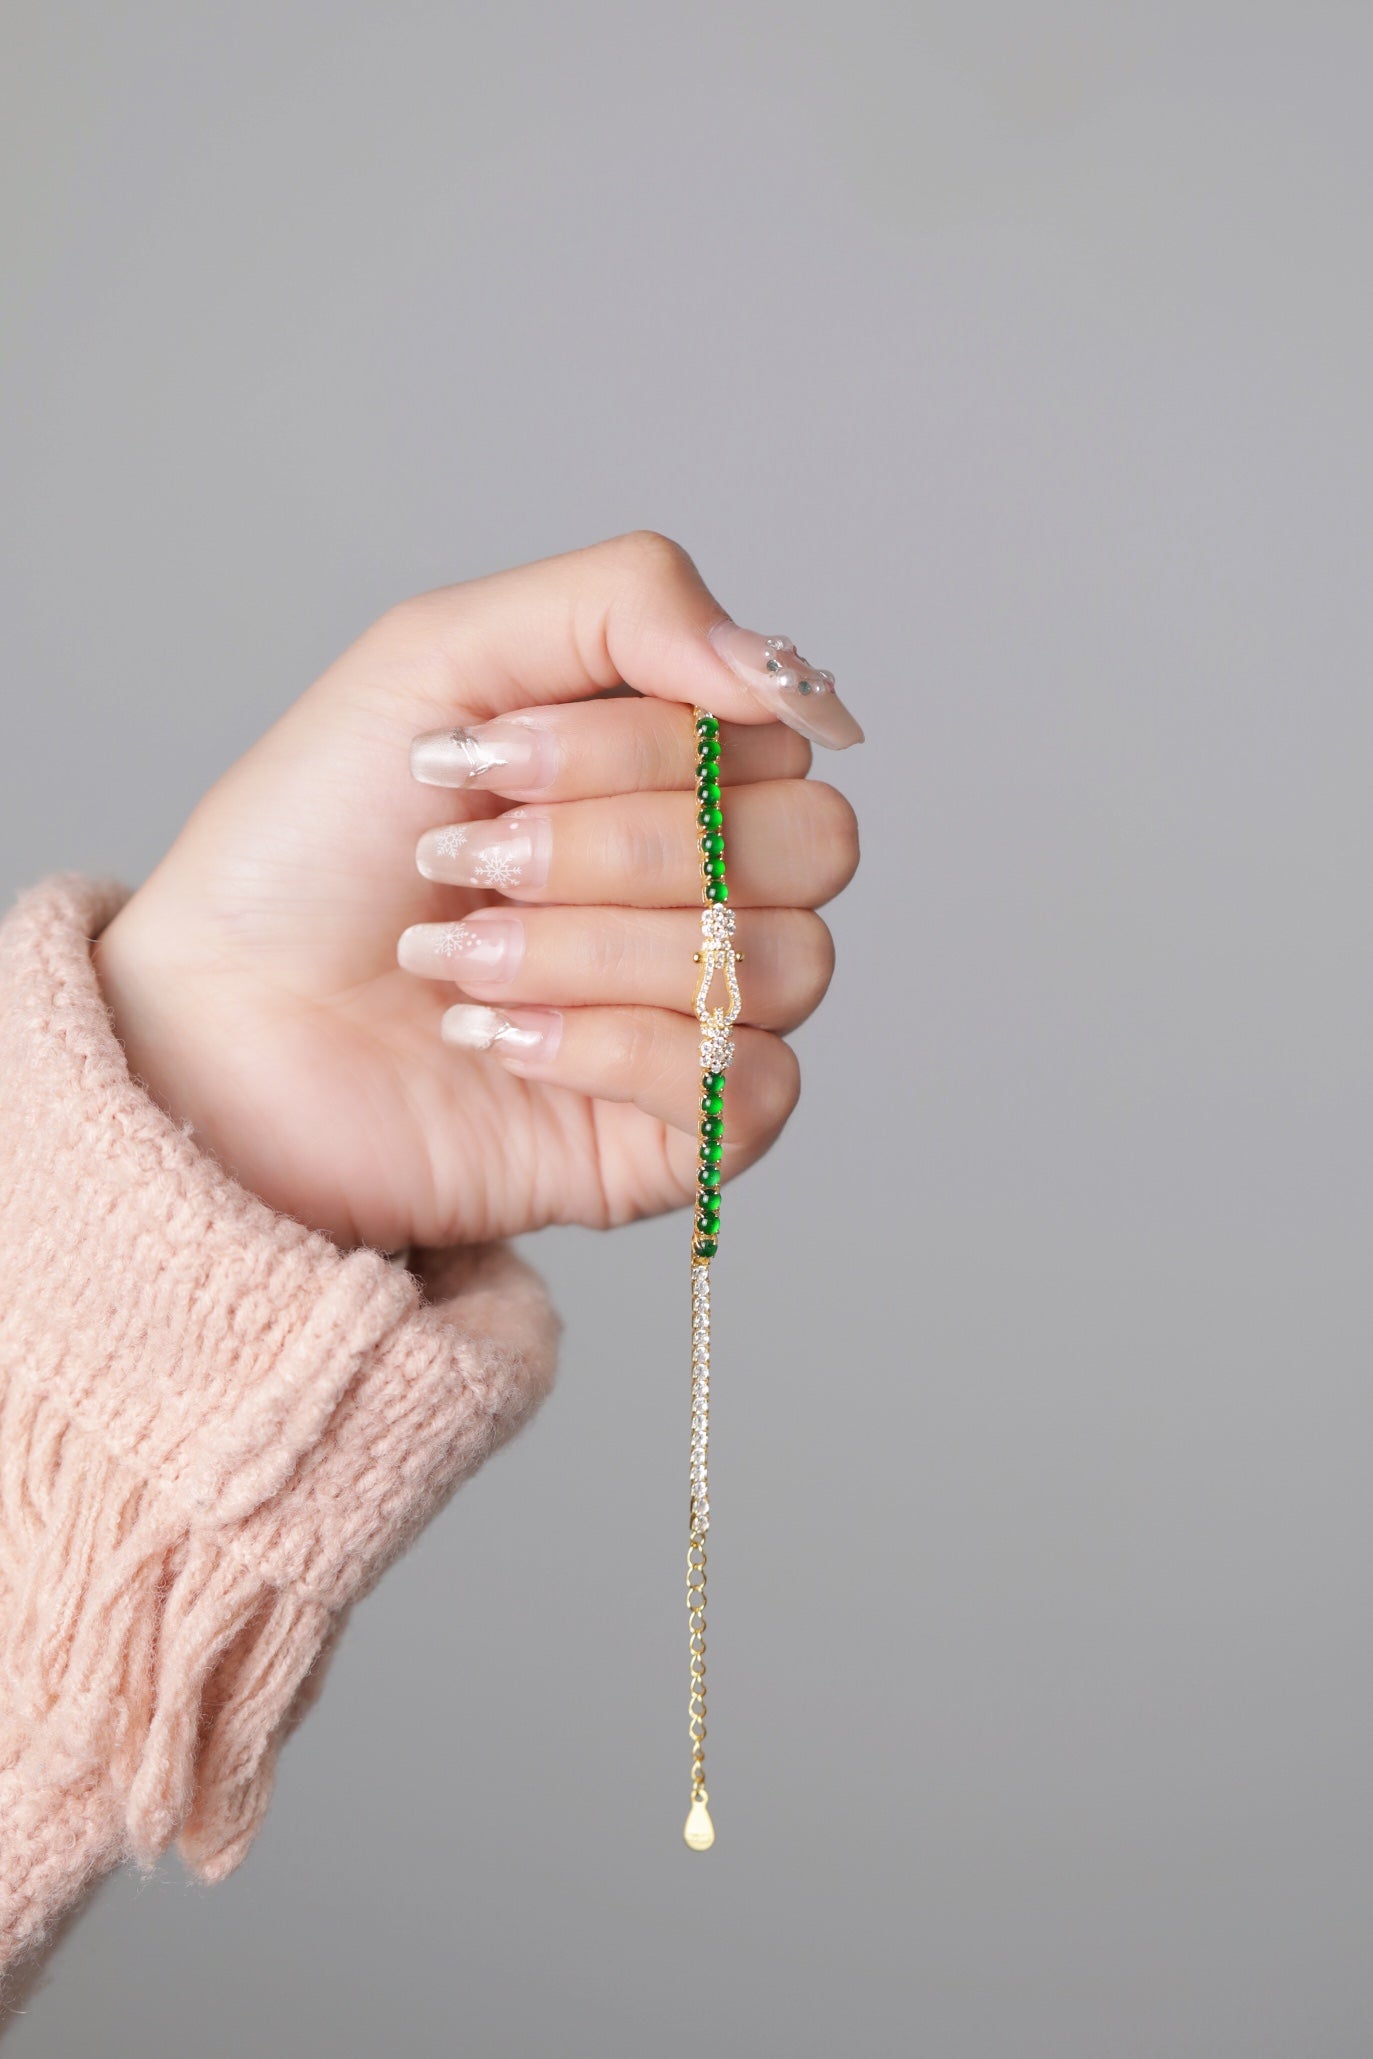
[[791, 671], [700, 1395], [717, 955]]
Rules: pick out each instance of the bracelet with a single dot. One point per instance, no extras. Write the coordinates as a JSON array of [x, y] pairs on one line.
[[716, 955]]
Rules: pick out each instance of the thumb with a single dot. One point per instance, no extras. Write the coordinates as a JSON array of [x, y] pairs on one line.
[[632, 610]]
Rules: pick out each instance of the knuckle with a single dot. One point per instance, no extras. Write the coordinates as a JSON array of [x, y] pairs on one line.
[[655, 747], [631, 1047], [609, 958], [647, 555], [412, 638], [639, 845], [407, 622]]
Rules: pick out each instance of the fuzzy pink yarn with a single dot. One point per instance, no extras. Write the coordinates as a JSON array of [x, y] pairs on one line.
[[217, 1430]]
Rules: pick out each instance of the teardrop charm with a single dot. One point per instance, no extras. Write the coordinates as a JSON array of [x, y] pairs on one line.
[[700, 1831]]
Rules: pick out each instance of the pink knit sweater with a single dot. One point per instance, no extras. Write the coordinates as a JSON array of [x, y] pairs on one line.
[[217, 1429]]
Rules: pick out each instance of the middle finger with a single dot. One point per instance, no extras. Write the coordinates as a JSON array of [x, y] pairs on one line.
[[790, 842]]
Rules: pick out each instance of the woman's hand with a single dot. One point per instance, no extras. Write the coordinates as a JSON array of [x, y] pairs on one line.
[[281, 979]]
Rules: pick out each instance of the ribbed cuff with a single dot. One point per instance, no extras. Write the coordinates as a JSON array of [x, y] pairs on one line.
[[216, 1427]]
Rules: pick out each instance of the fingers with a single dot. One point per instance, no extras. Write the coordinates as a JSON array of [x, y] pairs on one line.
[[577, 957], [599, 747], [633, 610], [792, 843], [644, 1055]]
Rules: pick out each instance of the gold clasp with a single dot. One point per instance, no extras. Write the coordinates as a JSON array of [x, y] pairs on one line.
[[717, 955]]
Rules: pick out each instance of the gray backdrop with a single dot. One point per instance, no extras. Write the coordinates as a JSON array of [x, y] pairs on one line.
[[1015, 360]]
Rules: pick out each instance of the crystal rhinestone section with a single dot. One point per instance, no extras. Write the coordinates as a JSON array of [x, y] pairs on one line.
[[792, 672], [699, 1514], [717, 955]]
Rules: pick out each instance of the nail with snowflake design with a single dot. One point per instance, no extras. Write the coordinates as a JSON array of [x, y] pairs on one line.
[[503, 852], [486, 948]]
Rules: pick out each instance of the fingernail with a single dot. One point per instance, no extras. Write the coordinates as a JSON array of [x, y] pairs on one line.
[[797, 693], [485, 946], [512, 850], [523, 1036], [524, 754]]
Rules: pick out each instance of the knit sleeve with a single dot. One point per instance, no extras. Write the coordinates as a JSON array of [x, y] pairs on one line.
[[217, 1429]]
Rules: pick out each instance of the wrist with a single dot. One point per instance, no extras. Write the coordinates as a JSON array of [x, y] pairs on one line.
[[191, 1041], [141, 999]]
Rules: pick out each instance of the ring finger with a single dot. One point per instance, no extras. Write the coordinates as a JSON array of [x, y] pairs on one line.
[[575, 957]]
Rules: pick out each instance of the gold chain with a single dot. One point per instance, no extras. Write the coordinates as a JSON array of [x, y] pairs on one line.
[[717, 954]]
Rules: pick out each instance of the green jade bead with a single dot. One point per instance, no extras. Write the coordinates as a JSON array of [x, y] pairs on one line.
[[712, 1104], [709, 817]]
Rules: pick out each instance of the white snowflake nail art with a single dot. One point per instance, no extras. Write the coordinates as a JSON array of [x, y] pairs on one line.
[[498, 853], [495, 867]]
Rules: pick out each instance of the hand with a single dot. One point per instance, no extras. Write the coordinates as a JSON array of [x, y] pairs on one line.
[[279, 981]]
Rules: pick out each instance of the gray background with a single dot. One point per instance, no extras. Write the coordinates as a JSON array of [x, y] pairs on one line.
[[1015, 360]]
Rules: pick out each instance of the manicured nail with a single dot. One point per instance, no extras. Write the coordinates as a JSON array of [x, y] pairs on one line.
[[507, 753], [524, 1036], [487, 945], [797, 693], [511, 850]]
